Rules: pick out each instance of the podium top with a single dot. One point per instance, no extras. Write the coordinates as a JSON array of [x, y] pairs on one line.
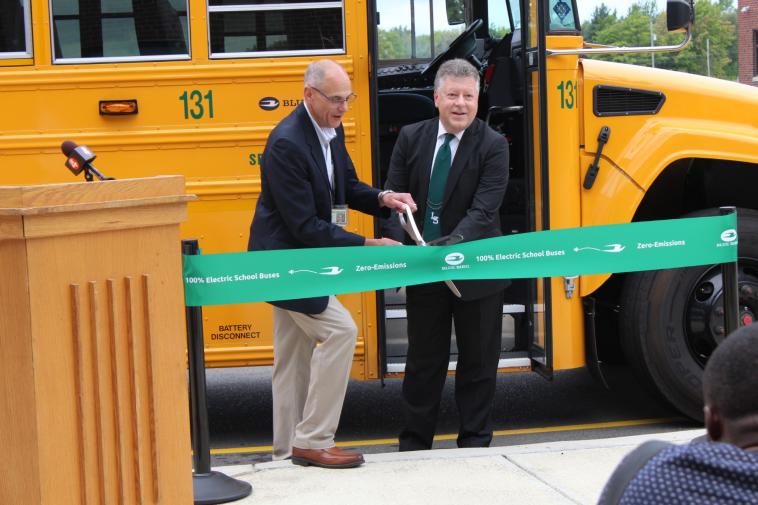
[[56, 210], [82, 196]]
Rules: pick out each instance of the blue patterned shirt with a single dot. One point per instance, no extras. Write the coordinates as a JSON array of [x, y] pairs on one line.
[[696, 473]]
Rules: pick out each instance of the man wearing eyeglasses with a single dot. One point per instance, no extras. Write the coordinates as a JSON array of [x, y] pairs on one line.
[[307, 184], [456, 167]]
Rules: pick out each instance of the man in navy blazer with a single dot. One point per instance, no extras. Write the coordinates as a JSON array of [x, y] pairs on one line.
[[307, 183], [459, 197]]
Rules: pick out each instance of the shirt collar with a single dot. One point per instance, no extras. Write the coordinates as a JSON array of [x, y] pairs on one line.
[[325, 135], [441, 131]]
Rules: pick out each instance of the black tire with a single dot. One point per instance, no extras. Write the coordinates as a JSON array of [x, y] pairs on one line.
[[671, 320]]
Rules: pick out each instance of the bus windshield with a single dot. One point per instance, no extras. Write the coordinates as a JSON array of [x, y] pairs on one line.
[[414, 30]]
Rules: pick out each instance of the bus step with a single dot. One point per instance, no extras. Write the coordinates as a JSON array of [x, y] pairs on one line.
[[522, 362], [401, 314]]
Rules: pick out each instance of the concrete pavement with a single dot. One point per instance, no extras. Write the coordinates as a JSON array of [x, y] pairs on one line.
[[557, 473]]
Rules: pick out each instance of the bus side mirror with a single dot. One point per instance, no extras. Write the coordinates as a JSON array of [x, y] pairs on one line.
[[455, 12], [680, 14]]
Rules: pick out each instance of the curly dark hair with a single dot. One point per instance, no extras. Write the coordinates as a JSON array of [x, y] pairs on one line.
[[730, 381]]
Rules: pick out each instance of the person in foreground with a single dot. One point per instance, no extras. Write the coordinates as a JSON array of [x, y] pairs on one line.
[[307, 183], [456, 168], [723, 469]]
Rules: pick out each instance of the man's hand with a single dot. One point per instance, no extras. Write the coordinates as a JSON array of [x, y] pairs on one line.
[[398, 200], [381, 241]]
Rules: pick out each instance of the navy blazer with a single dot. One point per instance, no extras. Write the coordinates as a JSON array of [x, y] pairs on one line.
[[294, 210], [473, 193]]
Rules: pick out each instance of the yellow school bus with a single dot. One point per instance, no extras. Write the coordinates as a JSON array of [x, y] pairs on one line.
[[194, 87]]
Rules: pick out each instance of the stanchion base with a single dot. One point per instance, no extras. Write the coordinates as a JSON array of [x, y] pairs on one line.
[[215, 487]]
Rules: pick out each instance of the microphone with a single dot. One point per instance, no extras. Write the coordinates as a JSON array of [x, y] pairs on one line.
[[80, 158]]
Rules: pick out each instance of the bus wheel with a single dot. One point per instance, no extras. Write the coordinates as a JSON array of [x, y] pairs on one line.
[[672, 320]]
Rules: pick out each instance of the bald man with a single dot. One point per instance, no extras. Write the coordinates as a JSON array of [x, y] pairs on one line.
[[307, 183]]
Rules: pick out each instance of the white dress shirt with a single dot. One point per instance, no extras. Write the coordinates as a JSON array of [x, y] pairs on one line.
[[454, 142], [325, 135]]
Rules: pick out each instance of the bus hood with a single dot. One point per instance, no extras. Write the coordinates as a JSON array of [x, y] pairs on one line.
[[686, 95], [695, 117]]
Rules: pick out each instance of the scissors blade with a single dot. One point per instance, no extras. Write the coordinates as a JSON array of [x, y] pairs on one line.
[[446, 240], [453, 288], [409, 225]]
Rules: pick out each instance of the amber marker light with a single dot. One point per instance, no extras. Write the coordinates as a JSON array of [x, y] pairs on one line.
[[118, 107]]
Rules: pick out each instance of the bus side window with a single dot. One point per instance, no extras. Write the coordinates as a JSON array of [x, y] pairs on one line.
[[248, 28], [15, 34], [119, 30]]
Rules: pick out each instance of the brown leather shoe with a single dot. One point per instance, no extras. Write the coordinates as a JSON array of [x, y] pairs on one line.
[[332, 457]]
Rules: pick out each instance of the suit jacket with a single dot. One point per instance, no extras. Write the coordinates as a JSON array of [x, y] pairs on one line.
[[294, 210], [474, 190]]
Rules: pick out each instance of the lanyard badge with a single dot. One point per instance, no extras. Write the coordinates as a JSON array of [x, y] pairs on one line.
[[339, 215]]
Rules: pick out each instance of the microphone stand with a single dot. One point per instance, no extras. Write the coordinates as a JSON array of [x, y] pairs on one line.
[[89, 169]]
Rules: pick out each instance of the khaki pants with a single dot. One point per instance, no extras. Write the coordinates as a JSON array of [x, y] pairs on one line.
[[312, 359]]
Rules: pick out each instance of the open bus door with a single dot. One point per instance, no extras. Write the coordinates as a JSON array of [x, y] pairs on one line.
[[513, 103], [533, 27]]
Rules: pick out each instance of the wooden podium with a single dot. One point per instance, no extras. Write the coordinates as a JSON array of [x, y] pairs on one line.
[[93, 385]]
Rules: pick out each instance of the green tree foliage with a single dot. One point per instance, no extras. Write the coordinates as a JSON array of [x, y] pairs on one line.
[[497, 32], [602, 18], [395, 43], [714, 35], [632, 30]]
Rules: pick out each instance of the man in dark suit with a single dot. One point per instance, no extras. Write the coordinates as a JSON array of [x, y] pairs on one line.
[[307, 183], [456, 168]]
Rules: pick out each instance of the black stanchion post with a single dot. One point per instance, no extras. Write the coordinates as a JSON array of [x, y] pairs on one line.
[[209, 487], [731, 288]]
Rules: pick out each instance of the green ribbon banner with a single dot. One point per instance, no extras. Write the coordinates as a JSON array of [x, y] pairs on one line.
[[220, 279]]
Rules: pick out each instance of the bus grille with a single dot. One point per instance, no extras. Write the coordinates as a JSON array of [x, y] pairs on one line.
[[615, 101]]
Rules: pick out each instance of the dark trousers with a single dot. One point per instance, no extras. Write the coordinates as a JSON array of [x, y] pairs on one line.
[[478, 328]]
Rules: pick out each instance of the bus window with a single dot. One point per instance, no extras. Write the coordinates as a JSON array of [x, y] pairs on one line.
[[515, 7], [15, 29], [92, 31], [497, 16], [563, 16], [247, 28]]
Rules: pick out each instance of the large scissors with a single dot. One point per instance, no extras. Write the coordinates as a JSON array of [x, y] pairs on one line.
[[409, 225]]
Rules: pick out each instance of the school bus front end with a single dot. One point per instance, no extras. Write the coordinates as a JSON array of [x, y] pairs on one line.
[[679, 145], [629, 143], [598, 142]]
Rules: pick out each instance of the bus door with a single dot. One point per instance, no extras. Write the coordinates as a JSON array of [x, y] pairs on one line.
[[536, 158], [411, 39], [409, 35]]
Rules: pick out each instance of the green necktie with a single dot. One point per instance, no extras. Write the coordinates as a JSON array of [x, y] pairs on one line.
[[440, 170]]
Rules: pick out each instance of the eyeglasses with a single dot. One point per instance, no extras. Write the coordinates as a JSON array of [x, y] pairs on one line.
[[337, 100]]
